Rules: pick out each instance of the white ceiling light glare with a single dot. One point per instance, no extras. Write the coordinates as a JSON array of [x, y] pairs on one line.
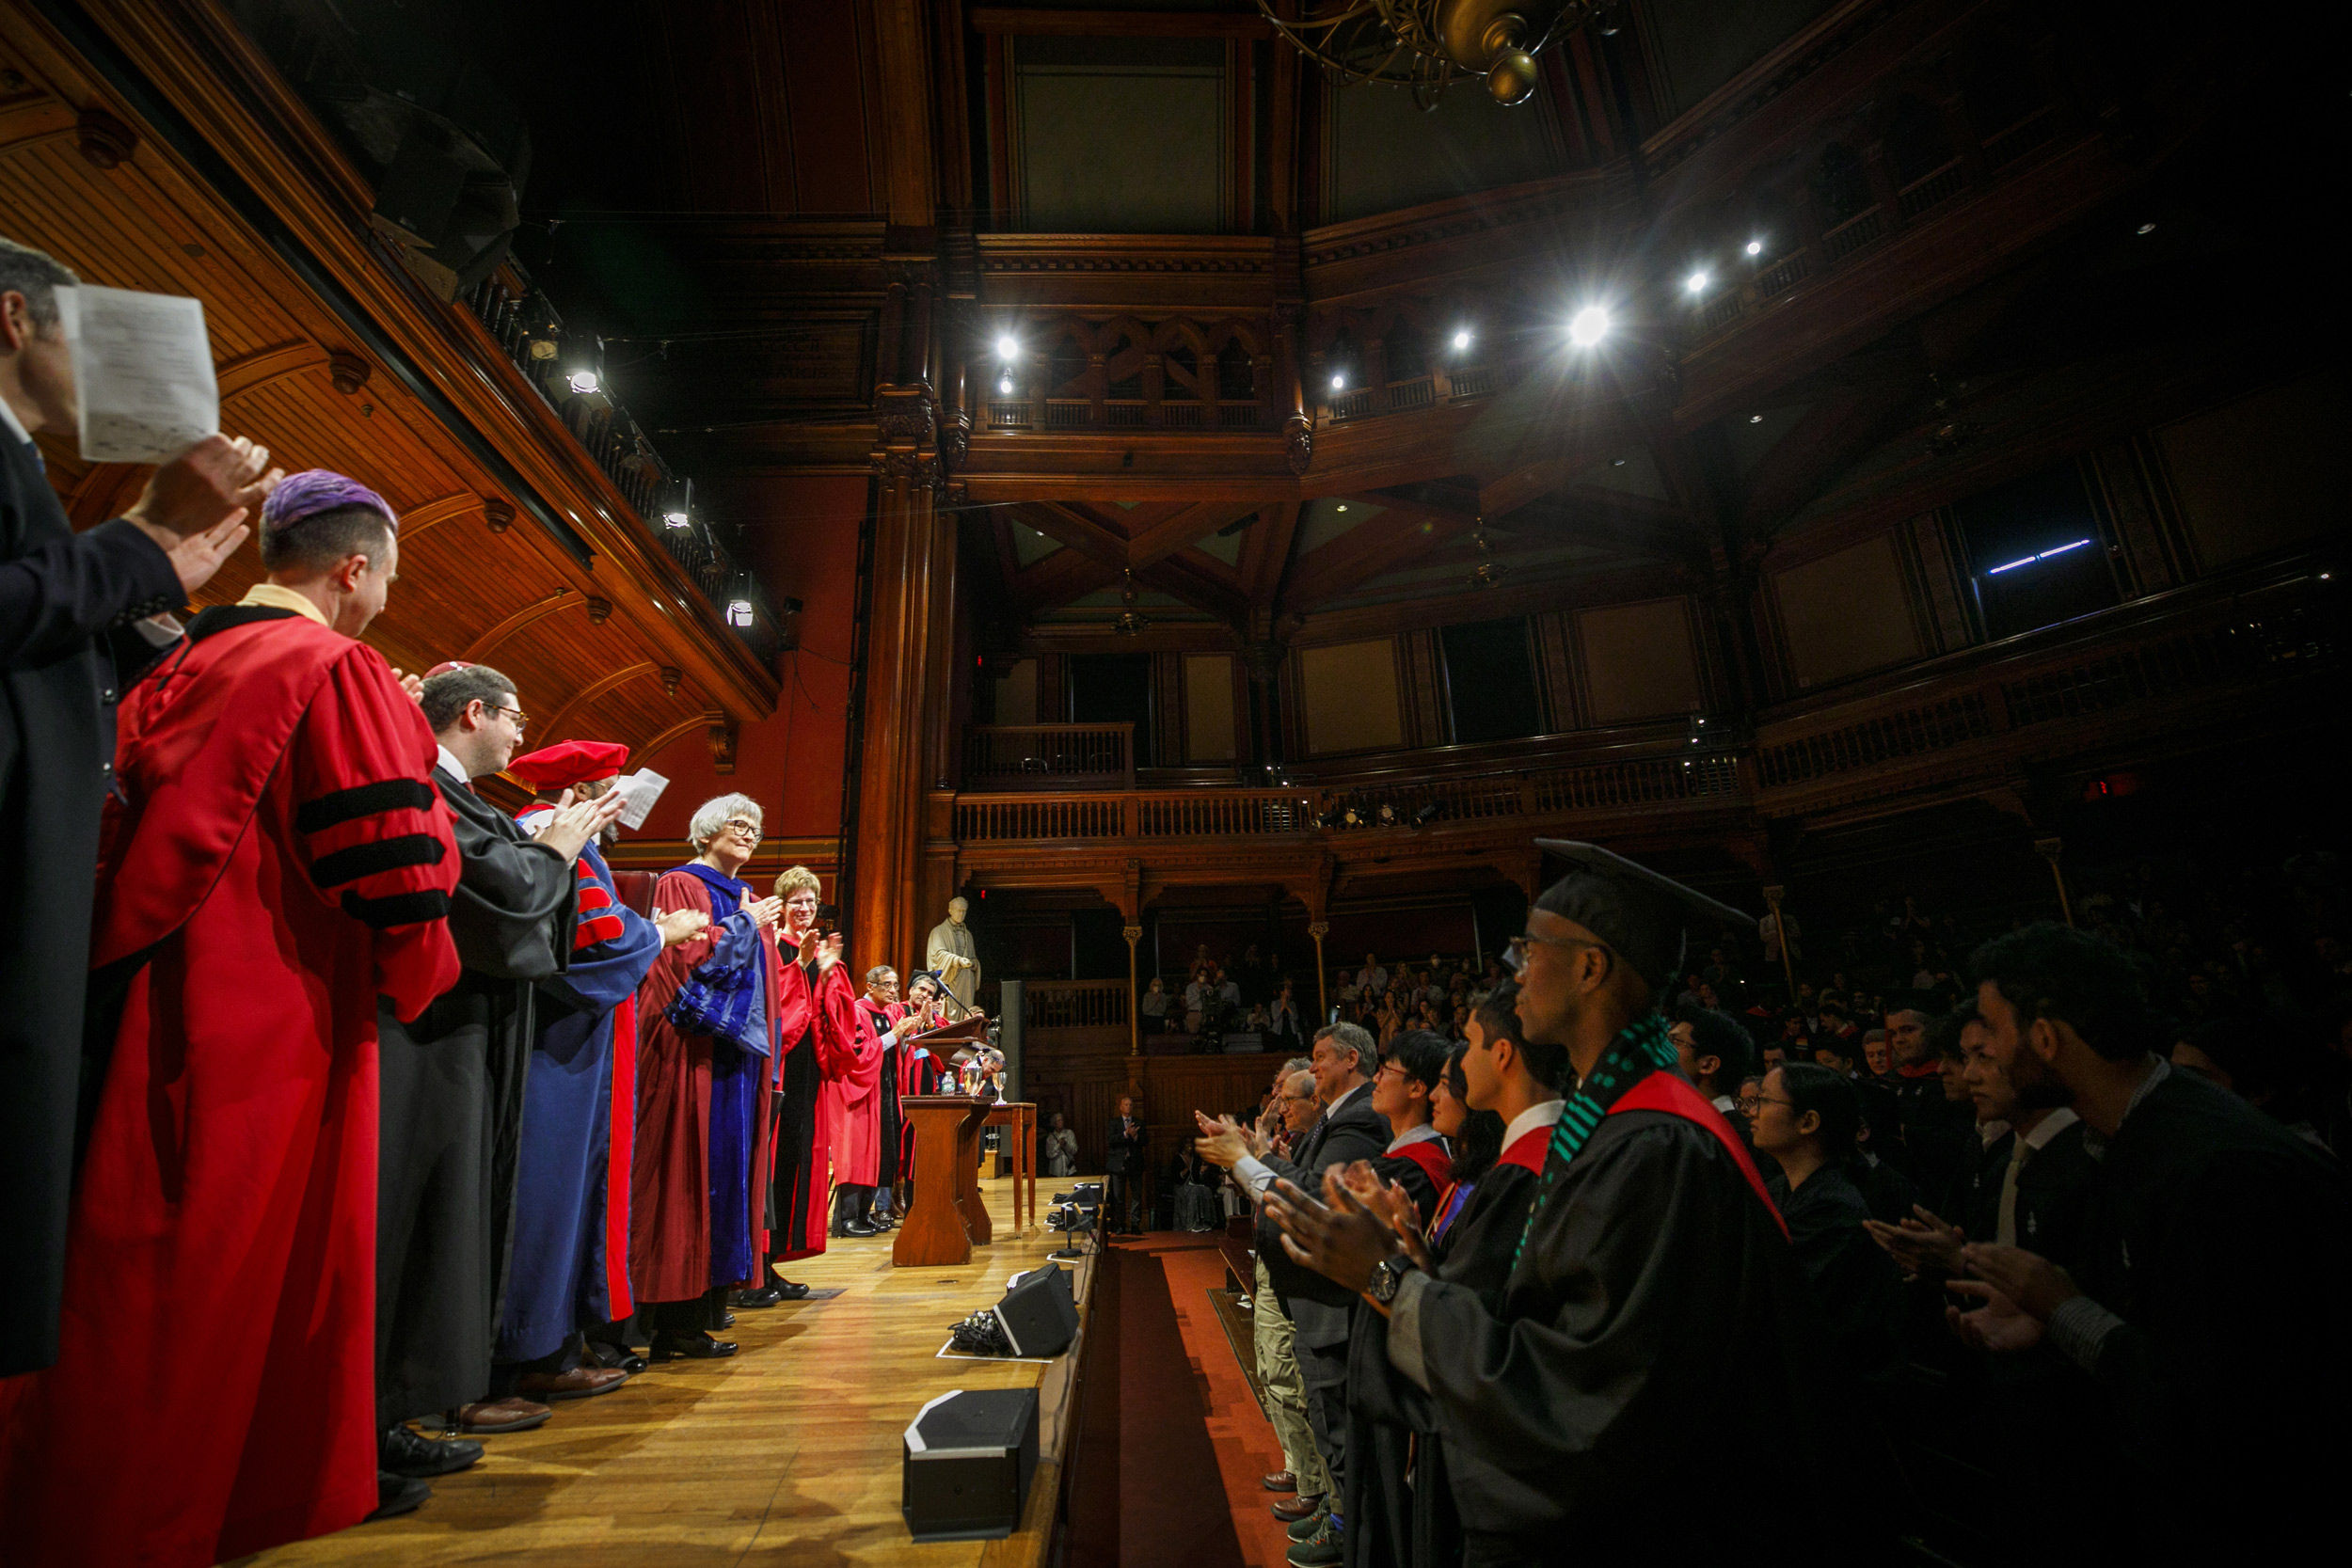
[[1756, 419], [1338, 380], [1588, 327], [739, 613], [1008, 346], [585, 383], [1755, 247], [1005, 386], [2147, 228], [2029, 559], [1462, 338], [1696, 282]]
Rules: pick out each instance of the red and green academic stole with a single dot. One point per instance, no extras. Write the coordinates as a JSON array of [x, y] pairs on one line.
[[1640, 1049]]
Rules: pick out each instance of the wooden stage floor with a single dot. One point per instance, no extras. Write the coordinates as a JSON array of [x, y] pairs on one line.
[[787, 1453]]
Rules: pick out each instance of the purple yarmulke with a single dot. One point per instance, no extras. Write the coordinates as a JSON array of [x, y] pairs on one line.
[[316, 490]]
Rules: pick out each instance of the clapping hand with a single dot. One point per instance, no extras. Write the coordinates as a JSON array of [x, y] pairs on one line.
[[1924, 1246], [764, 911], [1392, 1203], [1221, 1141], [218, 481], [1341, 1239], [828, 949], [575, 822], [2038, 1286], [413, 685], [679, 924]]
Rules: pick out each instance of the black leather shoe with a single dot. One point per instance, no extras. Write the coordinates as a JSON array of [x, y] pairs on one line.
[[788, 1290], [402, 1453], [760, 1298], [693, 1347], [396, 1496], [853, 1228], [619, 1359], [726, 1319]]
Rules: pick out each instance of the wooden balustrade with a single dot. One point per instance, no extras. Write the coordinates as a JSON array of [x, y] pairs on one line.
[[2221, 649], [1048, 756]]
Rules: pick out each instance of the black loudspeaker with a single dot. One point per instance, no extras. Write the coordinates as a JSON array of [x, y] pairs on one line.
[[968, 1459], [1037, 1312]]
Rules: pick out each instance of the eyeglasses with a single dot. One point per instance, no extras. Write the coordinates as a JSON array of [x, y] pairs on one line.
[[741, 826], [522, 720], [1515, 951], [1771, 1100]]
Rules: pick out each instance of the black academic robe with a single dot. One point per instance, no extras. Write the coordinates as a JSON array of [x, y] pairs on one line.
[[452, 1115], [1657, 1321], [67, 650], [1858, 1287], [886, 1173], [1398, 1508], [2224, 1242]]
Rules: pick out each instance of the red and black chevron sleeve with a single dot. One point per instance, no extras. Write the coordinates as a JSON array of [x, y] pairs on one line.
[[373, 830], [599, 916]]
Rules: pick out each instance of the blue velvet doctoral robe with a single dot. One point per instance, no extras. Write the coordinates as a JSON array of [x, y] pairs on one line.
[[566, 1269]]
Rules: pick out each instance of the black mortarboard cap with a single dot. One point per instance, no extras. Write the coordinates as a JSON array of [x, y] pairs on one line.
[[1644, 916]]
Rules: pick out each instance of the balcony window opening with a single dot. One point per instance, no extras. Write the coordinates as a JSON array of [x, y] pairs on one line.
[[1841, 185], [1235, 380], [1112, 688], [2036, 553], [1179, 375], [1490, 681]]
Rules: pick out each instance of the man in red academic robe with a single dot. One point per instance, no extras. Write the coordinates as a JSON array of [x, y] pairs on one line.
[[851, 1062], [883, 1010], [279, 859]]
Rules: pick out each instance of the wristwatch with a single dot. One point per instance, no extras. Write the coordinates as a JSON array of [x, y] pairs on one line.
[[1388, 1278]]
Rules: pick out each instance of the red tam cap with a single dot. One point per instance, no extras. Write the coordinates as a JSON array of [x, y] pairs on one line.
[[445, 667], [572, 762]]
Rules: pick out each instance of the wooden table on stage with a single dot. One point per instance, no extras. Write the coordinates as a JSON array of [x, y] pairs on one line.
[[1021, 1116], [947, 1217]]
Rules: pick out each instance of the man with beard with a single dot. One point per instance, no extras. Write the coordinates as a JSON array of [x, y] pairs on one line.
[[2212, 1273], [1652, 1274]]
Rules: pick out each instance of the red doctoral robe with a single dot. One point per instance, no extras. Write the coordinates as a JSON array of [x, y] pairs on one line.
[[281, 860], [816, 1016], [849, 1054], [670, 1175]]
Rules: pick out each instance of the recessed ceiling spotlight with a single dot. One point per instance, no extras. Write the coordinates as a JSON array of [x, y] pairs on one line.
[[1462, 338], [1696, 282], [1338, 382], [1007, 346], [1588, 327], [2147, 228], [1005, 386], [1756, 419], [1616, 462], [1343, 506], [1755, 247]]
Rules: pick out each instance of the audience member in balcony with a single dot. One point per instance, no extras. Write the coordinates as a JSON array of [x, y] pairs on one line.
[[1389, 1019], [2207, 1296], [1372, 979], [1283, 1032], [1197, 992], [1153, 1008], [1060, 1154]]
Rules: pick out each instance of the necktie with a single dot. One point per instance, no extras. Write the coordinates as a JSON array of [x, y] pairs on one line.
[[2007, 1232]]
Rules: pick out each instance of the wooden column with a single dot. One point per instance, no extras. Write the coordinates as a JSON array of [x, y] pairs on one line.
[[1780, 925], [1318, 931], [2048, 849], [1134, 1000]]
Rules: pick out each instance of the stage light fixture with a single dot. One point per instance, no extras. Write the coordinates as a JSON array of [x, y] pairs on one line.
[[1755, 247], [584, 382], [739, 612], [1696, 282], [1588, 327]]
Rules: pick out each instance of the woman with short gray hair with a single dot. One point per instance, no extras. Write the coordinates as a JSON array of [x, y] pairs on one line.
[[711, 817]]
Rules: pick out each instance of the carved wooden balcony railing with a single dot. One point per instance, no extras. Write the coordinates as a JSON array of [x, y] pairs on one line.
[[513, 314], [2249, 652], [1097, 1007], [1049, 756]]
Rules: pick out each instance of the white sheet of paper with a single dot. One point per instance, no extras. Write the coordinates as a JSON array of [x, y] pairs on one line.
[[143, 370], [641, 789]]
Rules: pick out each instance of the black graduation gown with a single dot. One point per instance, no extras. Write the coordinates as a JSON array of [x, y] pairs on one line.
[[2224, 1242], [452, 1117], [1658, 1320], [1400, 1507], [67, 651], [886, 1172], [1857, 1286]]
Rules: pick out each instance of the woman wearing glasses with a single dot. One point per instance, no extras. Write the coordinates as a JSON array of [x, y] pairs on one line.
[[706, 1018]]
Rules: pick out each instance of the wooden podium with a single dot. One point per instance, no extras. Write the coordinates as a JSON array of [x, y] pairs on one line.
[[949, 1217]]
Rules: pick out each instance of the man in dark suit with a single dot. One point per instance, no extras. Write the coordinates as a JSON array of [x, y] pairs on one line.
[[1342, 1062], [81, 617], [1122, 1165]]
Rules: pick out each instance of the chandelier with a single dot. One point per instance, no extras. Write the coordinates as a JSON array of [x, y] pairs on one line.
[[1131, 619], [1424, 44], [1489, 572]]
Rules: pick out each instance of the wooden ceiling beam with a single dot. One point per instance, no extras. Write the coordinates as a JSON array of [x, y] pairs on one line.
[[1265, 552], [1164, 539], [1404, 529]]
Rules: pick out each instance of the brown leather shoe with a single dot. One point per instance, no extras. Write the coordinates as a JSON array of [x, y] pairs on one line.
[[1281, 1480], [513, 1413], [580, 1383], [1298, 1508]]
